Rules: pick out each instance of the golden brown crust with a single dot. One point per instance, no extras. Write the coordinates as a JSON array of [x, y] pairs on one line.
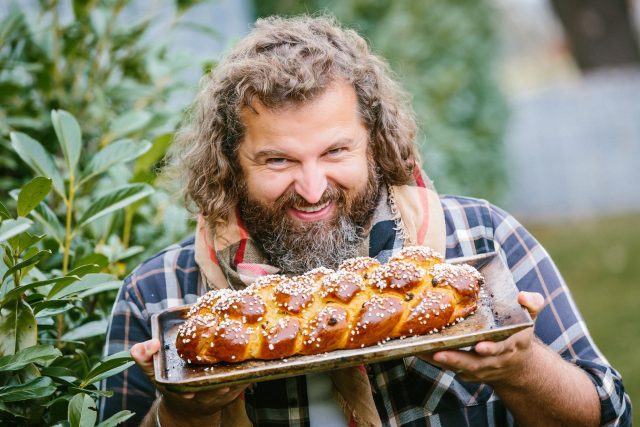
[[360, 304]]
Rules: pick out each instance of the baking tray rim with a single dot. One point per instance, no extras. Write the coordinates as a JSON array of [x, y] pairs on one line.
[[300, 364]]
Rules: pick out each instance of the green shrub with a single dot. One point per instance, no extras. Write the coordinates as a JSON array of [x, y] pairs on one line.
[[53, 319], [85, 121]]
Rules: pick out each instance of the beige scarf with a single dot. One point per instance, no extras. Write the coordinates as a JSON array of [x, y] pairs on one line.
[[227, 257]]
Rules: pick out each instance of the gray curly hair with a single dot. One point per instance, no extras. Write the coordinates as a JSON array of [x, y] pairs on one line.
[[283, 62]]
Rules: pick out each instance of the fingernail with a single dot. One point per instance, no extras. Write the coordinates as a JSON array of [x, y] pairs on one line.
[[147, 346]]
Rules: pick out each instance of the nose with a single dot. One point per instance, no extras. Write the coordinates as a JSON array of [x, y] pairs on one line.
[[311, 182]]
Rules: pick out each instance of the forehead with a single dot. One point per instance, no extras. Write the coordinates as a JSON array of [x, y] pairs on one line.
[[330, 116], [334, 109]]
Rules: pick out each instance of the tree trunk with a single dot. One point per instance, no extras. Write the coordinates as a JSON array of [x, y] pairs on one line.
[[600, 32]]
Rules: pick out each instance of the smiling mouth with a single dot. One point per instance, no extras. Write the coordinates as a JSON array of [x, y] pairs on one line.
[[311, 209]]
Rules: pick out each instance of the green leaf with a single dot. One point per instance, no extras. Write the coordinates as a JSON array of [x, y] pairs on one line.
[[117, 418], [4, 212], [103, 287], [27, 262], [119, 151], [95, 258], [40, 354], [51, 308], [32, 193], [25, 241], [13, 227], [127, 253], [145, 163], [83, 270], [34, 389], [17, 292], [114, 201], [81, 9], [93, 392], [129, 123], [88, 330], [111, 365], [38, 159], [18, 327], [69, 135], [82, 411], [60, 374], [184, 5], [61, 290], [43, 214]]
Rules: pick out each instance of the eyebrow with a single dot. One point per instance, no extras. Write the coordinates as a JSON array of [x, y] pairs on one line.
[[268, 153]]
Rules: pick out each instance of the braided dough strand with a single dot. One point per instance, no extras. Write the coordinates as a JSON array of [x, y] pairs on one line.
[[361, 304]]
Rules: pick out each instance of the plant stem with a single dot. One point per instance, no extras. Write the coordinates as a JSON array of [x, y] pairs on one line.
[[55, 48], [126, 232], [16, 276], [68, 232], [67, 247]]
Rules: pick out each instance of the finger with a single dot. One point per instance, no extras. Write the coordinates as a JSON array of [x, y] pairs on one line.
[[532, 301], [490, 348], [142, 353], [455, 360]]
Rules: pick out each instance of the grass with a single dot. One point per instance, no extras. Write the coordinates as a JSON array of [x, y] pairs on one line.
[[600, 261]]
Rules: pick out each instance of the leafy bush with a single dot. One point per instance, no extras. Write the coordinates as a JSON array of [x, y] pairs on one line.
[[52, 320], [95, 61], [85, 121], [443, 53]]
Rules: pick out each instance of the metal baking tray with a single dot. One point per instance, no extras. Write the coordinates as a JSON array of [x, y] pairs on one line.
[[498, 316]]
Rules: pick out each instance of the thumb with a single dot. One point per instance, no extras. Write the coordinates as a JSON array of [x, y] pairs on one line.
[[143, 352], [532, 301]]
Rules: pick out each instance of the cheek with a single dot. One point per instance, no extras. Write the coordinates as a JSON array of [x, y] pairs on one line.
[[352, 176], [267, 187]]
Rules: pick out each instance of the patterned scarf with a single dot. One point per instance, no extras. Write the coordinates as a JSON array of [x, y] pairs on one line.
[[227, 257]]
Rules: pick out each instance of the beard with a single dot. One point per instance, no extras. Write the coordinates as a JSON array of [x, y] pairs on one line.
[[296, 246]]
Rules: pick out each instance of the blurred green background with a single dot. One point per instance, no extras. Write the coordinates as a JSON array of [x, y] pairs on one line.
[[598, 258]]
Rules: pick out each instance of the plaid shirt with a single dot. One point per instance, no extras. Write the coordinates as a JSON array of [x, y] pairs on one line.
[[409, 391]]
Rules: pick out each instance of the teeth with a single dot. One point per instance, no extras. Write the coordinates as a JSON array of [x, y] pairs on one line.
[[310, 209]]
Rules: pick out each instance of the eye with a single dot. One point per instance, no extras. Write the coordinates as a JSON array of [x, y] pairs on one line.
[[277, 162], [336, 151]]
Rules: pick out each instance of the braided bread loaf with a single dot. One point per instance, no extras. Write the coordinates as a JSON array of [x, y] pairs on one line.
[[361, 304]]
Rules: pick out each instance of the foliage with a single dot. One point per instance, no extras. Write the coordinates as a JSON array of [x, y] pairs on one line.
[[443, 53], [97, 61], [85, 121], [53, 320]]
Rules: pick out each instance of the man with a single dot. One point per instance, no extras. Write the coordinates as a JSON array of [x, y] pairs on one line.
[[300, 153]]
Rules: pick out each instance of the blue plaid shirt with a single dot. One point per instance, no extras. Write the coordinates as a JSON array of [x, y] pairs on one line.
[[409, 391]]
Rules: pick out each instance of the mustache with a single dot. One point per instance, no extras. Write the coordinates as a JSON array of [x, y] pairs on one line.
[[293, 199]]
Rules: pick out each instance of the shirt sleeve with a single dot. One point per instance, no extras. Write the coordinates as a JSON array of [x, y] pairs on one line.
[[129, 325], [559, 324]]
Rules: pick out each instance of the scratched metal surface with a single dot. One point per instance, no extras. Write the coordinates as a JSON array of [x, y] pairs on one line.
[[497, 317]]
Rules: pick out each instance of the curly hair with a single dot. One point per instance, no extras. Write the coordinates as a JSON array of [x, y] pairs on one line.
[[284, 62]]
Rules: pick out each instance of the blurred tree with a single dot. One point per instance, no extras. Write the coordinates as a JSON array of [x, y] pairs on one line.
[[443, 52], [600, 33]]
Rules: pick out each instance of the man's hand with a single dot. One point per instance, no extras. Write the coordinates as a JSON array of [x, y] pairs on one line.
[[181, 408], [494, 362], [535, 383]]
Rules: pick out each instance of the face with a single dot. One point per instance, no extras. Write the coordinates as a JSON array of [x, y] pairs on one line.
[[310, 185]]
